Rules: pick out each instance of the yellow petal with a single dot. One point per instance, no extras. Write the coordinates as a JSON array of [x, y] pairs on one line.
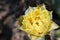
[[53, 26], [37, 38]]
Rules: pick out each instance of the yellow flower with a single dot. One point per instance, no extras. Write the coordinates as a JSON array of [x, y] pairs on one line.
[[38, 21]]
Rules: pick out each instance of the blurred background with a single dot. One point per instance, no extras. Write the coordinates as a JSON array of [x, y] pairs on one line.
[[11, 10]]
